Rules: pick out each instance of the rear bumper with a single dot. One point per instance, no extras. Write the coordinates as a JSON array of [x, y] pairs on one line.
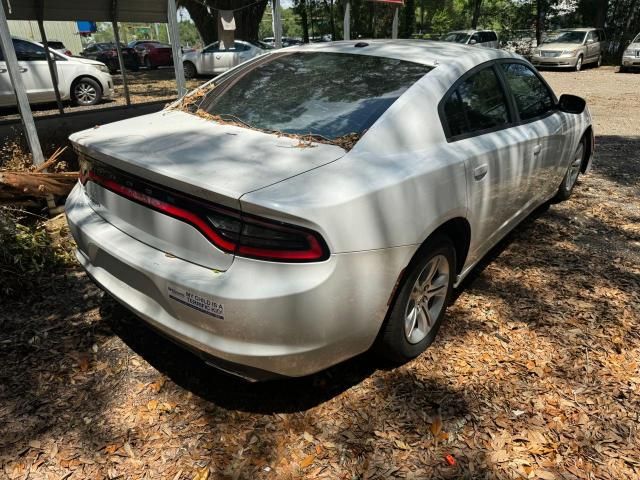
[[270, 318]]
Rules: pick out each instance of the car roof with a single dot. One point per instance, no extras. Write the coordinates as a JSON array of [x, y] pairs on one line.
[[469, 31], [580, 29], [427, 52]]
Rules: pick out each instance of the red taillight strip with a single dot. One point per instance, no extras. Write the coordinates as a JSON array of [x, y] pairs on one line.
[[166, 208], [316, 252]]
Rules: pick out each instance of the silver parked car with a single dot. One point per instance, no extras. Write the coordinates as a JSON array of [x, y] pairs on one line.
[[298, 213], [571, 49], [479, 38], [631, 56], [215, 58]]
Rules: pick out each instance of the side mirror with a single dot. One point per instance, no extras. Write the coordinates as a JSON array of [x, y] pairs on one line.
[[572, 104], [472, 42]]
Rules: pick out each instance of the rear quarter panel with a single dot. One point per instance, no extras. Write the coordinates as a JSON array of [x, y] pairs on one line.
[[393, 189]]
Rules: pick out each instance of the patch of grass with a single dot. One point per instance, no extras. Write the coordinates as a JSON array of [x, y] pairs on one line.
[[30, 252]]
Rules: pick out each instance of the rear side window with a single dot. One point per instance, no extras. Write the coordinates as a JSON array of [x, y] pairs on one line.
[[490, 36], [477, 104], [532, 97], [325, 94]]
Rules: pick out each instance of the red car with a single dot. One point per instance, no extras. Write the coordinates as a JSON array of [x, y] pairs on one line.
[[152, 54]]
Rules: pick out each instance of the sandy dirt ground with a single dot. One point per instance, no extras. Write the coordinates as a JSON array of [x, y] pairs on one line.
[[535, 373]]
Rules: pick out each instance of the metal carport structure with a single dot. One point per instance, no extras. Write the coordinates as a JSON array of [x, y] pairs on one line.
[[96, 10]]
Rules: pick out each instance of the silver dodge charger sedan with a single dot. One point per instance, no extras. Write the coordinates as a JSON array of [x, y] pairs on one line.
[[321, 200]]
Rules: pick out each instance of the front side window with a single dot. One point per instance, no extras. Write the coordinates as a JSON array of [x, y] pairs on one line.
[[27, 51], [457, 37], [477, 104], [324, 94], [532, 97]]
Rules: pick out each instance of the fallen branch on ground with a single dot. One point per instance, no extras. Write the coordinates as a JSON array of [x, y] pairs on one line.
[[37, 184]]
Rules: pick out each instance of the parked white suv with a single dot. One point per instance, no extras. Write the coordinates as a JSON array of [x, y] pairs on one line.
[[83, 81], [479, 38]]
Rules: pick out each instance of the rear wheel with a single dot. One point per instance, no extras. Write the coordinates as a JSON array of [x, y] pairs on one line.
[[573, 172], [421, 302], [599, 64], [190, 70], [623, 69], [85, 92], [579, 63]]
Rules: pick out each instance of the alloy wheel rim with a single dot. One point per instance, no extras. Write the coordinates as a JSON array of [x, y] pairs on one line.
[[574, 168], [579, 64], [85, 93], [427, 299]]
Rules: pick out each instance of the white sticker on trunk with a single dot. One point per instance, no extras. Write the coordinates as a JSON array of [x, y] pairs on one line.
[[197, 301]]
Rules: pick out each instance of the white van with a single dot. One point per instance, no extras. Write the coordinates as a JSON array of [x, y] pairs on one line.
[[480, 38], [83, 81]]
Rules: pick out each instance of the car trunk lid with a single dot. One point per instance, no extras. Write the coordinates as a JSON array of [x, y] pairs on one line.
[[180, 152]]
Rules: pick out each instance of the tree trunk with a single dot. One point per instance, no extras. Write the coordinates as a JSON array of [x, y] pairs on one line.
[[601, 13], [301, 9], [477, 5], [332, 23], [409, 18], [247, 20], [540, 14]]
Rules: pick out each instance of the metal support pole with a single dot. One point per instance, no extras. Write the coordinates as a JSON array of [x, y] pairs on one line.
[[276, 24], [116, 34], [347, 20], [15, 74], [394, 25], [174, 37], [51, 62]]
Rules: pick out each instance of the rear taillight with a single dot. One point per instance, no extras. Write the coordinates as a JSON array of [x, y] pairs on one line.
[[228, 229]]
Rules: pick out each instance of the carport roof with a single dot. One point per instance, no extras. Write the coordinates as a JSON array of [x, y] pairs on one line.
[[91, 10]]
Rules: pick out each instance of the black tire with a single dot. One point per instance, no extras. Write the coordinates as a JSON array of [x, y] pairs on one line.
[[394, 342], [570, 178], [85, 92], [190, 70], [134, 68], [623, 69], [599, 61], [579, 63]]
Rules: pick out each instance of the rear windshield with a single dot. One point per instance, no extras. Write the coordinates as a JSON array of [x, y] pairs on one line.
[[324, 94]]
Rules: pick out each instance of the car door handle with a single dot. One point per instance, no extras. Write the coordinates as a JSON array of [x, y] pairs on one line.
[[22, 69], [3, 70], [480, 172], [537, 149]]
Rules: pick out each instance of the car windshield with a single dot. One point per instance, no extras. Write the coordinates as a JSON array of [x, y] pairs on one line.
[[568, 37], [458, 37], [329, 95]]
